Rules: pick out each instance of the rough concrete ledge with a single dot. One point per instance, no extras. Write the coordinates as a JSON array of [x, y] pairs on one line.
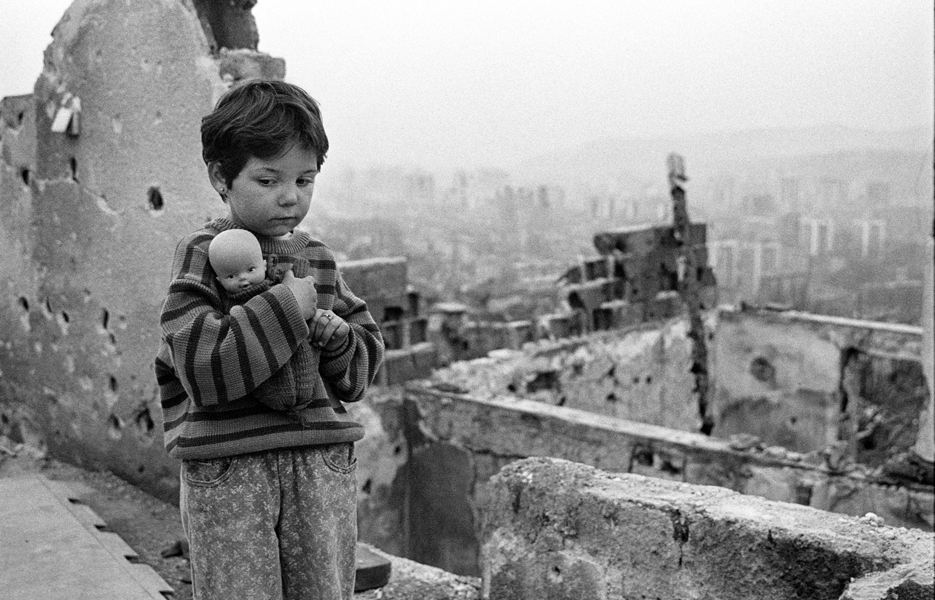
[[410, 580], [557, 529]]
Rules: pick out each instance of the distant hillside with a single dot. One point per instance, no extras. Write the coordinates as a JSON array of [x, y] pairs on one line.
[[709, 153]]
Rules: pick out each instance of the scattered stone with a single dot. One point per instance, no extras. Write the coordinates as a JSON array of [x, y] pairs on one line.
[[871, 519], [744, 442]]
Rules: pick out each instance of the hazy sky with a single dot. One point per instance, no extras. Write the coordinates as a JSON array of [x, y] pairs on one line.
[[442, 83]]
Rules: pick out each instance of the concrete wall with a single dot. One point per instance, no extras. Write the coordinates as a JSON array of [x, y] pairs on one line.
[[802, 382], [642, 373], [429, 453], [91, 208], [808, 382], [556, 529]]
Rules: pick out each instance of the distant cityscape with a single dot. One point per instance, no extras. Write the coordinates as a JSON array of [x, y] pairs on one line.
[[838, 233]]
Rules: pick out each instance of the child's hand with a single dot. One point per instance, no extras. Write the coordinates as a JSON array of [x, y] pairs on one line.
[[304, 291], [327, 330]]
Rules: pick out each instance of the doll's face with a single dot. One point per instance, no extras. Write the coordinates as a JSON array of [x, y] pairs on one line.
[[236, 277]]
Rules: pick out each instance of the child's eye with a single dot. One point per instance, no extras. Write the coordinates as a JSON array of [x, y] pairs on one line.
[[266, 181], [305, 181], [251, 270]]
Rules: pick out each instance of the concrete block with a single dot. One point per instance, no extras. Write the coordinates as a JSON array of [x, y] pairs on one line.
[[410, 580], [402, 365], [638, 240], [392, 334], [378, 277], [556, 529], [418, 330], [243, 63]]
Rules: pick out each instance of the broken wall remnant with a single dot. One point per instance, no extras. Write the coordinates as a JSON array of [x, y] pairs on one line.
[[641, 374], [813, 383], [446, 444], [557, 529], [101, 171]]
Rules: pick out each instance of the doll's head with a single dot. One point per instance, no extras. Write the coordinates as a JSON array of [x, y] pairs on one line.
[[237, 260]]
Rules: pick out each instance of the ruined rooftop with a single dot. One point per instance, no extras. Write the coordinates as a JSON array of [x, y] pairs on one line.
[[612, 401]]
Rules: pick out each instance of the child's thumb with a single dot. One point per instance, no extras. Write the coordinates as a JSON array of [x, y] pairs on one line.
[[288, 277]]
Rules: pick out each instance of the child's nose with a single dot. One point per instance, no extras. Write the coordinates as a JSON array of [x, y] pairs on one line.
[[289, 196]]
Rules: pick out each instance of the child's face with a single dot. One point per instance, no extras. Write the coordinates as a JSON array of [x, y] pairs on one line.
[[236, 278], [271, 196]]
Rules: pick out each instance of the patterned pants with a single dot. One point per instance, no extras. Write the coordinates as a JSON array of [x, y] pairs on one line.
[[280, 524]]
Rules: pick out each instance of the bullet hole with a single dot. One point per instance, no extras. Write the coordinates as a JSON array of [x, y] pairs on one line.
[[73, 168], [793, 420], [666, 466], [643, 456], [612, 372], [154, 197], [511, 387], [367, 486], [4, 419], [577, 369], [65, 317], [562, 401], [649, 379], [544, 380], [140, 469], [114, 427], [803, 493], [144, 421], [105, 318], [763, 370], [24, 303], [397, 450], [19, 118], [25, 175], [113, 384], [611, 397]]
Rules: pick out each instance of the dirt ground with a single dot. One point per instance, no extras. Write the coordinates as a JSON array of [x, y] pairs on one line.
[[149, 525]]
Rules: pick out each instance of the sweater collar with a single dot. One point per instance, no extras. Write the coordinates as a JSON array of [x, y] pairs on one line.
[[299, 240]]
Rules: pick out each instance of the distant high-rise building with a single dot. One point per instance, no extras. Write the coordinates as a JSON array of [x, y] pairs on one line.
[[878, 194], [789, 192], [832, 192]]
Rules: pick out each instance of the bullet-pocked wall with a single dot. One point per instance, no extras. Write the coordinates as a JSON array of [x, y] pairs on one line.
[[101, 175]]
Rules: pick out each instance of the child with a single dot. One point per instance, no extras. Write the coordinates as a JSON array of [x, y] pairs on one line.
[[237, 260], [268, 502]]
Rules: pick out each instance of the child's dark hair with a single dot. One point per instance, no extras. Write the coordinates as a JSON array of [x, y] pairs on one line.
[[261, 118]]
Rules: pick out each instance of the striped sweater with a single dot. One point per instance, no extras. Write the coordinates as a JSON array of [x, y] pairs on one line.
[[209, 362]]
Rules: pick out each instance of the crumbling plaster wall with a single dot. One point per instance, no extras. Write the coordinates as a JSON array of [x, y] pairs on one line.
[[809, 382], [90, 219], [641, 373]]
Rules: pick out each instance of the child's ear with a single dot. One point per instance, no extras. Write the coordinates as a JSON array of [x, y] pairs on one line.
[[217, 180]]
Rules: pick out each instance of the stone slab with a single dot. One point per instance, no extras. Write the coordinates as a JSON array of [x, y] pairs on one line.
[[54, 548]]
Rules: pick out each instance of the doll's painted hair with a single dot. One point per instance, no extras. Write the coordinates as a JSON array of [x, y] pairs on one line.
[[263, 119]]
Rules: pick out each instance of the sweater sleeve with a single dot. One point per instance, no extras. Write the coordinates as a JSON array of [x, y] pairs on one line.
[[351, 368], [222, 357]]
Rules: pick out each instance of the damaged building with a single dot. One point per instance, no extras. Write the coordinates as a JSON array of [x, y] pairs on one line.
[[511, 452]]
